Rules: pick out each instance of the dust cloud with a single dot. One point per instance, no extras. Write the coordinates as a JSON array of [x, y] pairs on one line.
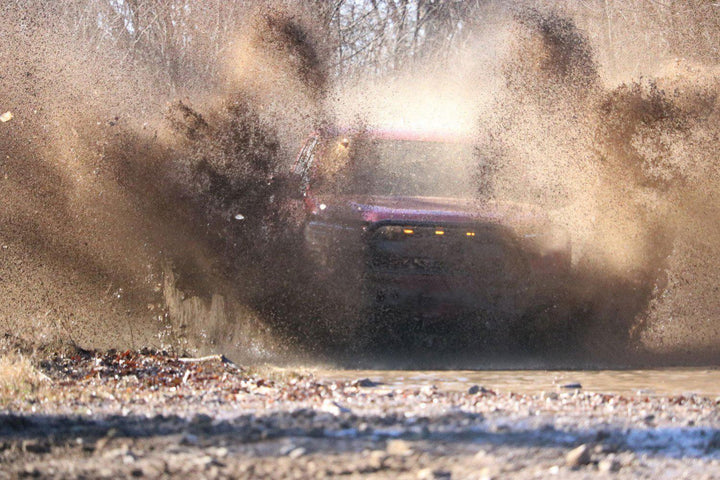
[[131, 216], [629, 170], [144, 201]]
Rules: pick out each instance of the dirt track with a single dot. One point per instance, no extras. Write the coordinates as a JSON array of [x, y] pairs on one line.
[[151, 415]]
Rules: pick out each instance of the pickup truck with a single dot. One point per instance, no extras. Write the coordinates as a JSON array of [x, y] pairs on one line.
[[394, 220]]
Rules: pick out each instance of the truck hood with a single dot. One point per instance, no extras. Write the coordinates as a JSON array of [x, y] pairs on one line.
[[443, 210]]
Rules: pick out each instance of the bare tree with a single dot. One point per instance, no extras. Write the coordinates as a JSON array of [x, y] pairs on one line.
[[184, 40]]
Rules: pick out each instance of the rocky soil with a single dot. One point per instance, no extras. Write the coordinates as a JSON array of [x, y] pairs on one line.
[[154, 415]]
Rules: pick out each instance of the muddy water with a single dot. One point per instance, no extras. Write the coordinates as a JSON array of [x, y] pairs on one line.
[[668, 381]]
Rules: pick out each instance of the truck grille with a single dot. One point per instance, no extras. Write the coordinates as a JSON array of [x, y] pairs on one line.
[[483, 251]]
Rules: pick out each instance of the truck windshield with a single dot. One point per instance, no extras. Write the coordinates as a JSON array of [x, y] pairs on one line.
[[369, 166]]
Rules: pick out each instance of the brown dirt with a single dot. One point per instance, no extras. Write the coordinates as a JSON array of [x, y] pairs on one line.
[[149, 414]]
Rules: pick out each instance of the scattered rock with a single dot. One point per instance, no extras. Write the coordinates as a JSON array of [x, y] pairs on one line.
[[600, 436], [572, 386], [177, 463], [98, 447], [31, 471], [35, 446], [425, 474], [119, 452], [429, 473], [220, 452], [578, 457], [203, 462], [405, 432], [297, 453], [129, 458], [287, 449], [201, 420], [152, 468], [334, 408], [6, 117], [429, 390], [608, 465], [365, 382], [484, 457], [398, 447], [377, 459], [190, 440], [303, 412]]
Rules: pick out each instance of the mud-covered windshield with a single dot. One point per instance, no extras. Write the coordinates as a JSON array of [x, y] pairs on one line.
[[363, 166]]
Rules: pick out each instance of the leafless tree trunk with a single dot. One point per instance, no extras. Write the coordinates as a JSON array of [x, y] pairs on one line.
[[183, 40]]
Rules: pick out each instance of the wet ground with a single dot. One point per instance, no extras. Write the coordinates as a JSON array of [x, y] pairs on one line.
[[153, 415], [660, 381]]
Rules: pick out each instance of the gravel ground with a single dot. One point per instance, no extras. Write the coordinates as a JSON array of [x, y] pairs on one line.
[[148, 414]]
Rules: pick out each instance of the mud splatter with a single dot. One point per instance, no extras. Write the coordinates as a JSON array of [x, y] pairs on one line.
[[142, 189]]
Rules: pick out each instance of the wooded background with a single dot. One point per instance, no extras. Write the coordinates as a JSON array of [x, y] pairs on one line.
[[185, 40]]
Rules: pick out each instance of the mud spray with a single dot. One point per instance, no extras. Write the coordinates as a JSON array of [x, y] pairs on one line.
[[141, 193]]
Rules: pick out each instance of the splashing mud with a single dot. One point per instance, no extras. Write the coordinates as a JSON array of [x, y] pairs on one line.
[[126, 212], [629, 171], [144, 199]]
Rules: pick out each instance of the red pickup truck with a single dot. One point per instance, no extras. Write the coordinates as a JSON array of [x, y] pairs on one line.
[[395, 219]]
